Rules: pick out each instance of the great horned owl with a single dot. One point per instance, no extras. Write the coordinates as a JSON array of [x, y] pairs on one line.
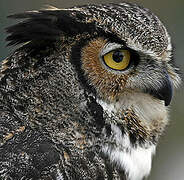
[[85, 97]]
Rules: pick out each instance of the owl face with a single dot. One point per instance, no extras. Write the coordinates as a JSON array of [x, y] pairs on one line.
[[124, 80]]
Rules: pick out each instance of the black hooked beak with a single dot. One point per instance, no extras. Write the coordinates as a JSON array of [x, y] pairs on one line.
[[165, 92]]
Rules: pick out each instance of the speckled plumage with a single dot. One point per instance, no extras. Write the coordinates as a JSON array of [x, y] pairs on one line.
[[64, 115]]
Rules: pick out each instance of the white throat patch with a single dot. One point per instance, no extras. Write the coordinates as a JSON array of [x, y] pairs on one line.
[[135, 161]]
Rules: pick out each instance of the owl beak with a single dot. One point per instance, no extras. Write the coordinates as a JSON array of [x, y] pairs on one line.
[[165, 92]]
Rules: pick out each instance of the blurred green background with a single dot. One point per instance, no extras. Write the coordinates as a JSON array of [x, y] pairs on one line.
[[168, 164]]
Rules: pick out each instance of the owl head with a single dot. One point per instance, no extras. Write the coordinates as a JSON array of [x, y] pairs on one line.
[[122, 54]]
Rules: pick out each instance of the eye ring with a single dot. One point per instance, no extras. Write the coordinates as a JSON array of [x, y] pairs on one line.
[[118, 59]]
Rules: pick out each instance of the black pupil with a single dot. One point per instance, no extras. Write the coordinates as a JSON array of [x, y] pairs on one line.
[[118, 56]]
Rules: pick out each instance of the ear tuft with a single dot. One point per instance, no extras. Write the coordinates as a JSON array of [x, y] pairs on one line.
[[47, 24]]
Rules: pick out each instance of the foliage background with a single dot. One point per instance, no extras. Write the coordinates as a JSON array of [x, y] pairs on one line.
[[168, 164]]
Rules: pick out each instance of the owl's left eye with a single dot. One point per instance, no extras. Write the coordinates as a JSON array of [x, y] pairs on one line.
[[117, 59]]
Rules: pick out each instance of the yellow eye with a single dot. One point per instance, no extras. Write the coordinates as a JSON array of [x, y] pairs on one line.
[[117, 59]]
